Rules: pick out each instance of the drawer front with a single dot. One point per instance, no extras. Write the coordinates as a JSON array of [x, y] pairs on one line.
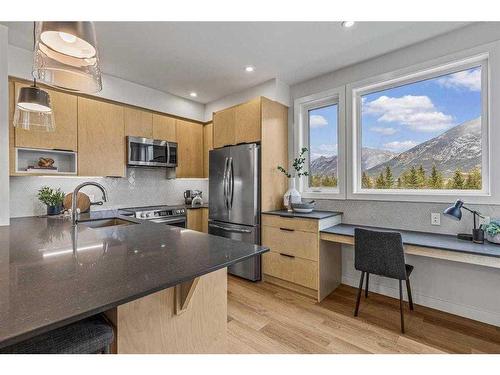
[[296, 270], [291, 242], [305, 225]]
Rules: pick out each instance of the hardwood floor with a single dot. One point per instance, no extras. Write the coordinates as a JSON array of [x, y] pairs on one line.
[[263, 318]]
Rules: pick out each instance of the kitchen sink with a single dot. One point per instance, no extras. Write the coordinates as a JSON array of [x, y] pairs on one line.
[[103, 223]]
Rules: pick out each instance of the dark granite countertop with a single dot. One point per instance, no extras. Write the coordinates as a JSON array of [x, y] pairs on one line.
[[52, 275], [316, 214], [424, 239]]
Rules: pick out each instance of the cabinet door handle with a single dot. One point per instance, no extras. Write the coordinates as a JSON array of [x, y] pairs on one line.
[[287, 255], [287, 229]]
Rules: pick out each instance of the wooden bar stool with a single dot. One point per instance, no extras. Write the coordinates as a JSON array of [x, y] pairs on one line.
[[88, 336], [381, 253]]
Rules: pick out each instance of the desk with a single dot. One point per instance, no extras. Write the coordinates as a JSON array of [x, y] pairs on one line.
[[432, 245]]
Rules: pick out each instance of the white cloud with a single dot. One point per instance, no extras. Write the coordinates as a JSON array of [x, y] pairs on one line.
[[416, 112], [466, 79], [317, 121], [326, 150], [384, 131], [400, 146]]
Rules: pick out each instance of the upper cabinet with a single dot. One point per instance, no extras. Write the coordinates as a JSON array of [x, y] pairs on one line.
[[207, 146], [224, 128], [138, 123], [164, 128], [190, 149], [239, 124], [101, 138], [248, 122], [65, 114]]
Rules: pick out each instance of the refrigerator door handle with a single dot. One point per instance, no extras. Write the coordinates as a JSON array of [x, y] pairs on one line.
[[235, 230], [231, 182], [224, 182]]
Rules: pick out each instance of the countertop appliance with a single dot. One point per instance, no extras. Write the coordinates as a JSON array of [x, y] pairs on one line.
[[145, 152], [189, 195], [168, 215], [234, 207]]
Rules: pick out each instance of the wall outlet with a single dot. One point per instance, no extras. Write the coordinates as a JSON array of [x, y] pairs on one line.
[[484, 220], [435, 218]]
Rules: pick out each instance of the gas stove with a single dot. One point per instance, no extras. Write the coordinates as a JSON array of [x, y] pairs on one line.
[[170, 215]]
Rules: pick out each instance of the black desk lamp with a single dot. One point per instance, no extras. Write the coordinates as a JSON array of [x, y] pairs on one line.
[[455, 212]]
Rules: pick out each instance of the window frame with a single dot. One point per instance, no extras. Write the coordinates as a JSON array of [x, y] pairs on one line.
[[302, 106], [400, 78]]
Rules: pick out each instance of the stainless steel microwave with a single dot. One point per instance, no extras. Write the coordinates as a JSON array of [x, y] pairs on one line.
[[145, 152]]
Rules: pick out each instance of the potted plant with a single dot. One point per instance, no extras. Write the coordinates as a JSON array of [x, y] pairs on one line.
[[492, 231], [292, 195], [53, 198]]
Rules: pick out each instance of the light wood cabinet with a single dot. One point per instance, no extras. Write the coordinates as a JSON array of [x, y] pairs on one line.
[[164, 128], [224, 128], [65, 115], [190, 149], [101, 139], [138, 123], [194, 219], [204, 219], [207, 146], [248, 122]]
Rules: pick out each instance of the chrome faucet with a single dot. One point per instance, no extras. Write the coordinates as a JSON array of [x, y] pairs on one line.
[[74, 198]]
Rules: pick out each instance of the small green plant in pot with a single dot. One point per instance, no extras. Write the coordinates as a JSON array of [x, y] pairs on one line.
[[53, 198], [297, 170], [493, 231]]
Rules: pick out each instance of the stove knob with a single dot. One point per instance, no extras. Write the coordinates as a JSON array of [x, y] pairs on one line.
[[148, 214], [143, 215]]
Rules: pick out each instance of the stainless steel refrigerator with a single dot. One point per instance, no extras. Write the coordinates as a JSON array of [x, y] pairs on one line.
[[234, 203]]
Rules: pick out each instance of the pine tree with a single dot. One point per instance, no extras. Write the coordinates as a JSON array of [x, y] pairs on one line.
[[457, 181], [473, 181], [421, 177], [410, 179], [380, 181], [436, 179], [366, 181], [389, 178]]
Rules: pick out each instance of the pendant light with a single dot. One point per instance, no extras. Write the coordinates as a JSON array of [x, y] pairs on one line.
[[33, 109], [66, 56]]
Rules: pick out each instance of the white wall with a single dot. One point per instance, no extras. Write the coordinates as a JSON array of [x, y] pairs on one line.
[[120, 90], [273, 89], [4, 129], [462, 289]]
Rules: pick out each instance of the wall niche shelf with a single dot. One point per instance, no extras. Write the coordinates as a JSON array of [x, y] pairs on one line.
[[65, 162]]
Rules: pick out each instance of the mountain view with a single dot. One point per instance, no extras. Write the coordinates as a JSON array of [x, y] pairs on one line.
[[421, 135]]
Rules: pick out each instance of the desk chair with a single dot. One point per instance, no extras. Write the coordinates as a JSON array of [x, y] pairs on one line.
[[381, 253]]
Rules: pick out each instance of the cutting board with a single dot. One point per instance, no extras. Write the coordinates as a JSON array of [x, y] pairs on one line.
[[82, 201]]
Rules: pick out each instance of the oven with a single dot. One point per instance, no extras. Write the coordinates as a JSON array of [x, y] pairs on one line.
[[179, 221], [145, 152]]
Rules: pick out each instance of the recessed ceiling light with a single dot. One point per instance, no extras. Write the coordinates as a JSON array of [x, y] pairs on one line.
[[348, 24], [193, 94], [249, 69]]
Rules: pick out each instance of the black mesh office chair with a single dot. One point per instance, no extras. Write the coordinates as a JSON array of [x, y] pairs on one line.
[[381, 253]]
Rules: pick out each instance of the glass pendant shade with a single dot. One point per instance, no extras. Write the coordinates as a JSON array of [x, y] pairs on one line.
[[66, 56], [33, 110]]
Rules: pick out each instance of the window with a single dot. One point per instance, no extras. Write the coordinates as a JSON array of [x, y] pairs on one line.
[[319, 126], [425, 133], [323, 153]]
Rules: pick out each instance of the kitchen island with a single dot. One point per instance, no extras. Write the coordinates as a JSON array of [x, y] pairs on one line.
[[163, 288]]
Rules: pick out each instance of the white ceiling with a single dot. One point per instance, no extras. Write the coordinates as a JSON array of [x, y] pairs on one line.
[[209, 57]]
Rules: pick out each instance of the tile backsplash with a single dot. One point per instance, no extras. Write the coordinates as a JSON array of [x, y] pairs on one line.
[[141, 187]]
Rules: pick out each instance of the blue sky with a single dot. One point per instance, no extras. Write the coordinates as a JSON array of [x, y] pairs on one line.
[[398, 119]]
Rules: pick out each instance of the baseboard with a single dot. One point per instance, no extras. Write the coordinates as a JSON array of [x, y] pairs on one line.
[[470, 312]]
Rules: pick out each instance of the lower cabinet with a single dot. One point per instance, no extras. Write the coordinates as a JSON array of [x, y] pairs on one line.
[[297, 259], [197, 219]]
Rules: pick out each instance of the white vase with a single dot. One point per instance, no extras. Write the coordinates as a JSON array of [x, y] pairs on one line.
[[292, 195]]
